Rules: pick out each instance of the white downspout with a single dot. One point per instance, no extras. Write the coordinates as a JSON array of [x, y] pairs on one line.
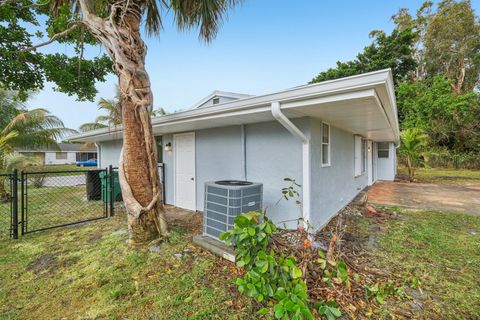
[[284, 121], [99, 160]]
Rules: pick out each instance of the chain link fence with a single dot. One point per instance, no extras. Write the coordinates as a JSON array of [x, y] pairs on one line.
[[59, 198], [6, 205], [33, 201]]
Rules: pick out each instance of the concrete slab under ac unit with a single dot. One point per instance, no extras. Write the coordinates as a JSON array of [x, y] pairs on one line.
[[216, 247]]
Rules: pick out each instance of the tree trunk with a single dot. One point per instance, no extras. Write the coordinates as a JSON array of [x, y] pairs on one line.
[[138, 171], [410, 169]]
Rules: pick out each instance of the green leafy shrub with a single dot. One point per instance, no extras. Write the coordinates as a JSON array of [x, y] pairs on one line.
[[445, 158], [328, 309], [380, 291], [268, 275]]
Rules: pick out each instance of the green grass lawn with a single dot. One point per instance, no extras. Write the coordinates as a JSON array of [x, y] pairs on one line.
[[441, 251], [442, 175], [86, 272]]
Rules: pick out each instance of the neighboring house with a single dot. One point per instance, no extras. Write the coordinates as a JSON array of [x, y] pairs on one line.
[[334, 138], [68, 153]]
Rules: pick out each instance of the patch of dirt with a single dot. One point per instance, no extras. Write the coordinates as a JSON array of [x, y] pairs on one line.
[[67, 262], [43, 265], [426, 196], [193, 221], [94, 238]]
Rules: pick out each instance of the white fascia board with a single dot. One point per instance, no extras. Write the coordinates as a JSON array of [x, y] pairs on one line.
[[262, 102]]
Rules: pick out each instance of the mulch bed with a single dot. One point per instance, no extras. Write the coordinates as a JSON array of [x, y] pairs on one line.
[[339, 242]]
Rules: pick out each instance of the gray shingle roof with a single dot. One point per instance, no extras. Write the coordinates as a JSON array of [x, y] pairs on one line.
[[65, 147]]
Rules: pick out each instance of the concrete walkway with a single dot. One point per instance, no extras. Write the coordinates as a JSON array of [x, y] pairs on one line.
[[460, 198]]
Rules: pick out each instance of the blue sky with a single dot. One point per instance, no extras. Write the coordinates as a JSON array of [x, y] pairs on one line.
[[263, 46]]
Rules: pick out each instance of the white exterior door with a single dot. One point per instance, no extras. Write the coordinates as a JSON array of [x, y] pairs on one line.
[[184, 153]]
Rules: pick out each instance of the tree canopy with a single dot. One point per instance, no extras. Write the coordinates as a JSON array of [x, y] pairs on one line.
[[387, 51], [435, 58], [24, 22]]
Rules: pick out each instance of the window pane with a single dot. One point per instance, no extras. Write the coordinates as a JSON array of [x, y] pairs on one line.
[[383, 153], [325, 133], [382, 145], [60, 155], [324, 153]]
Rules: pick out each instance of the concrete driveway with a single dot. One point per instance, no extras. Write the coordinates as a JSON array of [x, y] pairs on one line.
[[461, 198]]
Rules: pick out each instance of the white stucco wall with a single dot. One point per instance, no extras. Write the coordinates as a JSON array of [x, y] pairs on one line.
[[386, 167], [51, 159]]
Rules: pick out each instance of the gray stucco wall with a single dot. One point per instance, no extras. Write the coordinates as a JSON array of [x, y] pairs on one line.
[[386, 167], [168, 160], [273, 154], [335, 186], [218, 153]]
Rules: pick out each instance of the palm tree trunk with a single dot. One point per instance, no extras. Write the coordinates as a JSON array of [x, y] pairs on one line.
[[138, 172], [410, 168]]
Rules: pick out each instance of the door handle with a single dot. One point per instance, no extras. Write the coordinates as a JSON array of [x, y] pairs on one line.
[[192, 179]]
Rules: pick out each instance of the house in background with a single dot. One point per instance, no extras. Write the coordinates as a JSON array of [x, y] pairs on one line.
[[334, 138], [69, 153]]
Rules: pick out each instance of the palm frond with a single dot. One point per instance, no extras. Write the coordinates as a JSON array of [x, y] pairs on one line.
[[91, 126], [153, 18], [18, 161], [207, 15]]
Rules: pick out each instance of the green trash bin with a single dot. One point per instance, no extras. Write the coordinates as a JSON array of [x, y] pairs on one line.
[[117, 192]]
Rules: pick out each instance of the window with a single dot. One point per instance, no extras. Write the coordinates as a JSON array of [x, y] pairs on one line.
[[216, 100], [60, 155], [383, 149], [158, 140], [364, 155], [325, 144], [84, 156], [28, 154]]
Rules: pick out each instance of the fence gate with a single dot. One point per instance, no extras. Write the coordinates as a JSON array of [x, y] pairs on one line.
[[51, 199], [8, 205]]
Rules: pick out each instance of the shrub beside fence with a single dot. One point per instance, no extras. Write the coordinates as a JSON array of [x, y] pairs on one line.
[[8, 205], [444, 158]]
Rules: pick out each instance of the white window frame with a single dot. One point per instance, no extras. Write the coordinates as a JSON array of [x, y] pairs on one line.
[[383, 149], [363, 152], [329, 144]]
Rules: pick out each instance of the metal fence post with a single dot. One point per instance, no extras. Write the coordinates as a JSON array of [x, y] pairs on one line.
[[14, 181], [111, 190], [22, 181]]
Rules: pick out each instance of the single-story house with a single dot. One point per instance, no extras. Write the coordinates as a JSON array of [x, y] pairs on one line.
[[334, 138], [68, 153]]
